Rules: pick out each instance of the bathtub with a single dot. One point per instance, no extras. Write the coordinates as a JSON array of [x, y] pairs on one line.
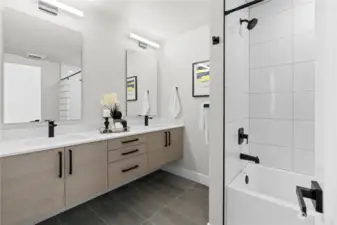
[[269, 198]]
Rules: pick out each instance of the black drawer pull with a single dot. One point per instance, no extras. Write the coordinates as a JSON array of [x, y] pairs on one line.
[[60, 165], [130, 152], [130, 141], [166, 139], [70, 162], [169, 133], [129, 169]]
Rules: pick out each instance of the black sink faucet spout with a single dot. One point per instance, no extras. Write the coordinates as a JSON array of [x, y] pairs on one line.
[[146, 120], [51, 128]]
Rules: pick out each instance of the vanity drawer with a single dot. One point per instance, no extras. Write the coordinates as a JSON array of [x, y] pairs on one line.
[[122, 171], [125, 153], [125, 142]]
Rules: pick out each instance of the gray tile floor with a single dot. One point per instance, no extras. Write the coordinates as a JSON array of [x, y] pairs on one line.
[[157, 199]]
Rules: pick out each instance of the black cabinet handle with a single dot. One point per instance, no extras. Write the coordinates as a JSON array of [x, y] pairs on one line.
[[169, 144], [131, 152], [129, 169], [130, 141], [60, 165], [166, 139], [70, 162]]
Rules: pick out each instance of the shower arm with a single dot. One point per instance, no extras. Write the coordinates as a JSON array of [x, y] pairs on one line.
[[243, 6]]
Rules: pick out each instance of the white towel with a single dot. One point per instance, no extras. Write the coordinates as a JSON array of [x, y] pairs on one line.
[[175, 106], [203, 121], [146, 106]]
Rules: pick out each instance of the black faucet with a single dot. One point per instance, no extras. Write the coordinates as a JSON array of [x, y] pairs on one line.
[[242, 136], [51, 128], [315, 194], [250, 158], [146, 120]]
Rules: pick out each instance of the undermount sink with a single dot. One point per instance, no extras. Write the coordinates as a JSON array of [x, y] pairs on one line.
[[37, 141], [60, 138]]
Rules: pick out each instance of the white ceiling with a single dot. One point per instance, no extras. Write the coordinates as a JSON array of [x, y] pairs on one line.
[[159, 19]]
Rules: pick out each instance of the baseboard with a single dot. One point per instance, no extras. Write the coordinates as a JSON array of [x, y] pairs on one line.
[[188, 174]]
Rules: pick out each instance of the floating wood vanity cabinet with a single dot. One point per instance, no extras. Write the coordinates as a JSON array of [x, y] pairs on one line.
[[164, 147], [39, 184], [127, 159], [85, 172], [31, 186]]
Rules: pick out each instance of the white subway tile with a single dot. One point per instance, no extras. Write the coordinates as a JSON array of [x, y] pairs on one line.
[[271, 79], [300, 2], [304, 76], [272, 131], [304, 47], [273, 105], [273, 156], [304, 17], [305, 105], [271, 53], [278, 25], [304, 161], [304, 137], [270, 8], [237, 105]]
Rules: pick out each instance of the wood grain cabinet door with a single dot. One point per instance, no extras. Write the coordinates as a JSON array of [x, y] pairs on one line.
[[32, 186], [176, 145], [156, 144], [86, 172]]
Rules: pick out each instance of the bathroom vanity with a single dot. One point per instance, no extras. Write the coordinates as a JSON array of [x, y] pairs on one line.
[[42, 177]]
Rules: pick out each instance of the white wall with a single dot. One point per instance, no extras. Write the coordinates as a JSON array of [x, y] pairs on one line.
[[216, 146], [145, 67], [23, 99], [50, 78], [176, 61], [282, 85]]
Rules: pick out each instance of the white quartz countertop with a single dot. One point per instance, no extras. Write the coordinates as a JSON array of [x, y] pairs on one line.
[[24, 146]]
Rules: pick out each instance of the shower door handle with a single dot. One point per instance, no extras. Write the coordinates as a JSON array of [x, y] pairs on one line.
[[315, 194]]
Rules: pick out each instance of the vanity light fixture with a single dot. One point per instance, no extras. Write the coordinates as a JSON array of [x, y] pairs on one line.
[[64, 7], [144, 40]]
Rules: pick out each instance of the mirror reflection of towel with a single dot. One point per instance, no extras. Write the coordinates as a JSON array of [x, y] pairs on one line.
[[146, 106], [175, 106]]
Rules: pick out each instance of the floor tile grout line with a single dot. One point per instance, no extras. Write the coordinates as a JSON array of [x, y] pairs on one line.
[[184, 216], [97, 214], [58, 220], [166, 206]]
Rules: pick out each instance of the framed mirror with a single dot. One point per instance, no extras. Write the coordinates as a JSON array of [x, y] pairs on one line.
[[141, 83], [42, 70]]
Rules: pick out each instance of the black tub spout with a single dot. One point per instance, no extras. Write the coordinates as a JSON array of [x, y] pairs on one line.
[[254, 159]]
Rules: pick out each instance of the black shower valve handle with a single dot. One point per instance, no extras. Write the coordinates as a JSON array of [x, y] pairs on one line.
[[242, 136]]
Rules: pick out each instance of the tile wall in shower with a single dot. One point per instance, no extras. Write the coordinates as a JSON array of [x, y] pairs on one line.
[[282, 85]]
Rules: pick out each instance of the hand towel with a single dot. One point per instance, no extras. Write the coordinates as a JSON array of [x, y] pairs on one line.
[[203, 121], [146, 106], [175, 106]]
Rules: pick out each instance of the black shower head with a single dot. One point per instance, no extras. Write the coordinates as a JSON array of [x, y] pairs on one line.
[[250, 23]]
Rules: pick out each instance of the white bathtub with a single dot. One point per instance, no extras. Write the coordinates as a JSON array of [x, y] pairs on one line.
[[269, 198]]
